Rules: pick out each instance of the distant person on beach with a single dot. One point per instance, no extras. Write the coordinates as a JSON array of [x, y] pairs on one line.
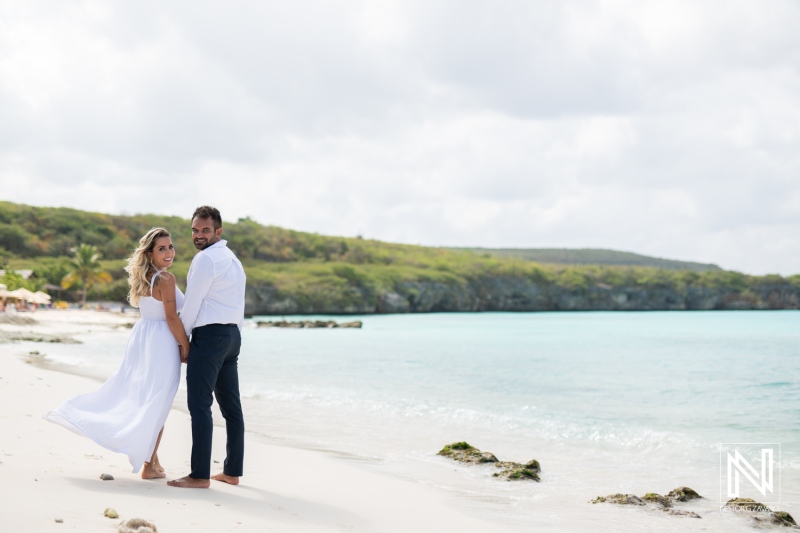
[[213, 314], [127, 413]]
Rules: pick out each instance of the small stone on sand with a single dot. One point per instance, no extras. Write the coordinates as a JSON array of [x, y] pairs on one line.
[[110, 513], [106, 477], [59, 520], [137, 525]]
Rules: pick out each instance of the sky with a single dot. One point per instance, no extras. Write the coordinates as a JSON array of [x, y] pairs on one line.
[[668, 128]]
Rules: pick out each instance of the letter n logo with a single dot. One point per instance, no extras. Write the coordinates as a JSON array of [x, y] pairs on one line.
[[761, 476]]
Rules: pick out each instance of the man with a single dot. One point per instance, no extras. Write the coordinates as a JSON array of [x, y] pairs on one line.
[[213, 315]]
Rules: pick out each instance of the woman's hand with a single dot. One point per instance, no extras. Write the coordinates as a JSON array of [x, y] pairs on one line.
[[184, 350]]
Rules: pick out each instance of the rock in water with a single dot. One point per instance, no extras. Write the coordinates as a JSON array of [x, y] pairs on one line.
[[619, 499], [306, 324], [137, 525], [515, 471], [746, 504], [464, 453], [106, 477], [663, 503], [683, 494], [677, 512], [110, 513], [652, 497], [783, 518]]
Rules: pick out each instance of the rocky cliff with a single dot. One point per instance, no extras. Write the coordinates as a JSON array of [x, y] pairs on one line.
[[517, 294]]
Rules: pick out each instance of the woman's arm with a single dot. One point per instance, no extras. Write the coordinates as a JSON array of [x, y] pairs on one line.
[[164, 290]]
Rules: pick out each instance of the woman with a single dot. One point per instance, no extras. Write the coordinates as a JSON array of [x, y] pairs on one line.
[[127, 413]]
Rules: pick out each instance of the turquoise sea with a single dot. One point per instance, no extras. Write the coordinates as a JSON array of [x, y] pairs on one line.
[[607, 402]]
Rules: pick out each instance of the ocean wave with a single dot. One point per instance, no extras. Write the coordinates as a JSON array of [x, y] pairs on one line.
[[69, 360], [525, 421], [775, 384]]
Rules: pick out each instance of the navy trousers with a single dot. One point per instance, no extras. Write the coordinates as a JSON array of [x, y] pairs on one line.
[[213, 367]]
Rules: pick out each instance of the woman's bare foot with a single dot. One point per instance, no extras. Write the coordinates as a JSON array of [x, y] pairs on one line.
[[230, 480], [190, 483], [157, 464], [149, 471]]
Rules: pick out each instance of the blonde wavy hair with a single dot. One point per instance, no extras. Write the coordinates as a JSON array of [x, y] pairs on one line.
[[140, 266]]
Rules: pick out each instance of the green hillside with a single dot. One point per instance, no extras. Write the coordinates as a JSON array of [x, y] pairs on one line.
[[292, 271], [592, 256]]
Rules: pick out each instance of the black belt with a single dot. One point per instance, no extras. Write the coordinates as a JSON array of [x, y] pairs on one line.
[[217, 325]]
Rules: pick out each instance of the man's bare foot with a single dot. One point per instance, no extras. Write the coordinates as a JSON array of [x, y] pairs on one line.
[[190, 483], [149, 471], [230, 480]]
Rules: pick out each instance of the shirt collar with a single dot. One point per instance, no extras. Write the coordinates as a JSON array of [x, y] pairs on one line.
[[220, 243]]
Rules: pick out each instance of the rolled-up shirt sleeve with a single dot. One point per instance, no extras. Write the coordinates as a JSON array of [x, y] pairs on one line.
[[198, 282]]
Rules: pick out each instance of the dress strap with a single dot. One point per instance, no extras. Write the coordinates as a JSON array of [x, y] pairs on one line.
[[157, 272]]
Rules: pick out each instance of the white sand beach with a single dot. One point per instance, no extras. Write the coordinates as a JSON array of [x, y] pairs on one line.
[[49, 474]]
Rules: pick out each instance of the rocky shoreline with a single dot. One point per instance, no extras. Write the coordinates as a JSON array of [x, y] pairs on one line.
[[308, 324], [519, 294], [511, 471], [760, 515]]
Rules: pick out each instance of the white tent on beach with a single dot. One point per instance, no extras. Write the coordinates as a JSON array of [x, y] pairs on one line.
[[41, 298], [22, 294]]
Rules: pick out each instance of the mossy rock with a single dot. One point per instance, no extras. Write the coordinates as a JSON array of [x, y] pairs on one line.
[[683, 494], [516, 474], [782, 518], [652, 497], [746, 504], [681, 512], [465, 453], [137, 525], [534, 465], [779, 518], [515, 471], [619, 499]]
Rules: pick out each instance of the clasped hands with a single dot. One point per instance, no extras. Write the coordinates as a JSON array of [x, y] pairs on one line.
[[184, 351]]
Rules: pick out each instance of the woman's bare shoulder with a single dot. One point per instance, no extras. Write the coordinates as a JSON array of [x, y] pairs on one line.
[[165, 278]]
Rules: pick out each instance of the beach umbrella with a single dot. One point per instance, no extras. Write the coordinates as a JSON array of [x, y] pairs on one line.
[[22, 294], [40, 298]]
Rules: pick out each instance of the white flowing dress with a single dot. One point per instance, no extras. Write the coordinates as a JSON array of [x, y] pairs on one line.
[[128, 411]]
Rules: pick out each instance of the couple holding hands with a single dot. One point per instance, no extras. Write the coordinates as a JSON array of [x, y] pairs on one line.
[[127, 413]]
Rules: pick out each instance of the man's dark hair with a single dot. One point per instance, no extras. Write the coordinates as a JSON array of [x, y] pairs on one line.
[[206, 211]]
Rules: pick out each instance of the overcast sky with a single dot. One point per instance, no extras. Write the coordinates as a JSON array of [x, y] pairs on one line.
[[667, 128]]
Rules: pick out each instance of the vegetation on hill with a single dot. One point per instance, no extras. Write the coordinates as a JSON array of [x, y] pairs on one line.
[[592, 256], [316, 272]]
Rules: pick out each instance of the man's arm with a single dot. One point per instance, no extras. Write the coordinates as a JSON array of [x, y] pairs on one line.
[[244, 283], [198, 282]]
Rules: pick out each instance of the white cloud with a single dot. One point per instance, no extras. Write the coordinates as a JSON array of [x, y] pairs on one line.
[[663, 128]]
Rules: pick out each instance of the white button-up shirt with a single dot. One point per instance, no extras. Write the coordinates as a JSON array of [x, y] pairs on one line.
[[214, 289]]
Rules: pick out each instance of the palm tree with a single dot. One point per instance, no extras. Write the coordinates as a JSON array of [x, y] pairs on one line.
[[85, 265]]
